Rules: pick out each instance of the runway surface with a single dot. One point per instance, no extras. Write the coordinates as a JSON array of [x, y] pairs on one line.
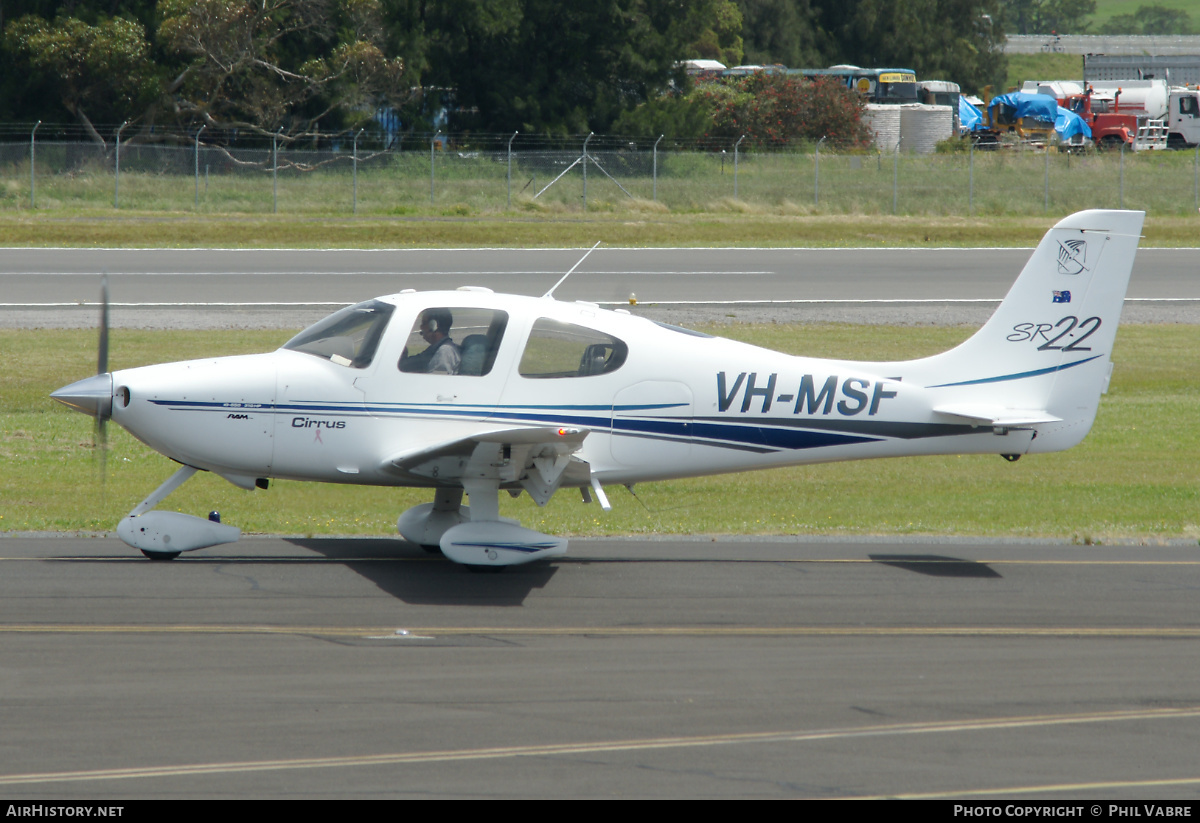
[[698, 668], [290, 288]]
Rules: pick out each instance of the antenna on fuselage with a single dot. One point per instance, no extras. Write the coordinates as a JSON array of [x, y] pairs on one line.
[[568, 274]]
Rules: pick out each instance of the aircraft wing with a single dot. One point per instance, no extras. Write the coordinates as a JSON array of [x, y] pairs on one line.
[[984, 415], [538, 459]]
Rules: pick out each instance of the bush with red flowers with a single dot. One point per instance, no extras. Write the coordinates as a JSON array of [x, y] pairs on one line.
[[773, 110]]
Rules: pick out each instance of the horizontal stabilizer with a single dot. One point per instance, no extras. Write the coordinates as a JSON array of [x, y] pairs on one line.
[[982, 415]]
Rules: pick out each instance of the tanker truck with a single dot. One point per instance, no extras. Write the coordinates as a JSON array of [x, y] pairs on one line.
[[1111, 125], [1177, 106]]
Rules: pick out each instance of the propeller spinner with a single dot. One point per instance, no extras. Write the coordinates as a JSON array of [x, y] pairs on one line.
[[93, 395]]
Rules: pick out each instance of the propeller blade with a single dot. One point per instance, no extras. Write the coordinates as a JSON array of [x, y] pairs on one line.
[[102, 360], [103, 413], [100, 438]]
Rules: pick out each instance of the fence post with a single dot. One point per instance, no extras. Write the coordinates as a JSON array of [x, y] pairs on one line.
[[32, 152], [432, 143], [655, 172], [817, 174], [355, 195], [585, 142], [735, 165], [196, 157], [514, 137], [896, 178], [971, 179], [275, 171], [1046, 203], [1121, 201], [117, 177]]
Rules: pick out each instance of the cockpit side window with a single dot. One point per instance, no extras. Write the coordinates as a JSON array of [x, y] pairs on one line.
[[448, 340], [556, 349], [348, 337]]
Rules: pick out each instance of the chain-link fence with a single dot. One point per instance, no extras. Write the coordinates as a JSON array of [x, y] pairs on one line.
[[469, 174]]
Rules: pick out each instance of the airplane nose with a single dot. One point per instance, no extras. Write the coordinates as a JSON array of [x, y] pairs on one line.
[[92, 395]]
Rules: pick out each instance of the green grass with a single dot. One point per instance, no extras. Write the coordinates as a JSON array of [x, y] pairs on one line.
[[988, 198], [1022, 67], [1107, 9], [1135, 476]]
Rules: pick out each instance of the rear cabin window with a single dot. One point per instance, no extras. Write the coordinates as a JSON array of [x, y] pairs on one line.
[[449, 340], [557, 349]]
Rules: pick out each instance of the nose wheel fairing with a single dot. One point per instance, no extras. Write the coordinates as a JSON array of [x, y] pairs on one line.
[[163, 535]]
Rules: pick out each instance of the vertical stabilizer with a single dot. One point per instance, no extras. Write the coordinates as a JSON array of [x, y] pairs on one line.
[[1044, 354]]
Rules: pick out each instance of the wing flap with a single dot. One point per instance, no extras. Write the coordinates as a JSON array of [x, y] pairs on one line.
[[562, 439]]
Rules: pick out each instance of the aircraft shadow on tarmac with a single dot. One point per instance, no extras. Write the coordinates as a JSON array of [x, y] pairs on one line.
[[936, 565], [429, 579]]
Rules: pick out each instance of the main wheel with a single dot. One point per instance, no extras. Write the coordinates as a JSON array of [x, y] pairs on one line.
[[479, 568], [160, 555]]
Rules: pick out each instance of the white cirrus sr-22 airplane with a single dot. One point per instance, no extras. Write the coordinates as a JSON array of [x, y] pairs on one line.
[[473, 392]]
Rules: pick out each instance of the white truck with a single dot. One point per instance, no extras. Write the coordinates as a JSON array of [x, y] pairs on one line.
[[1177, 106]]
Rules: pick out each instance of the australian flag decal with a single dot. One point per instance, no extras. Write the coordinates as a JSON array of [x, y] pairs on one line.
[[1061, 296]]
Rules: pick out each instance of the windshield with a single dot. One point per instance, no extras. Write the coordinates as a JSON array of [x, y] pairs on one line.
[[897, 93], [348, 337]]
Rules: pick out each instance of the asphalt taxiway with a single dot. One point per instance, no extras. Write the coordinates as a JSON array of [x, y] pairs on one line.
[[665, 668]]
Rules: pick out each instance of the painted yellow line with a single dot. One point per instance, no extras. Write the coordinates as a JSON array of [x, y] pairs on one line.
[[1041, 789], [568, 749], [427, 632]]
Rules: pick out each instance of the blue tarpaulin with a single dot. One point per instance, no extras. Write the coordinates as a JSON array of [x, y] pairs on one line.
[[970, 117], [1038, 106], [1045, 108], [1068, 124]]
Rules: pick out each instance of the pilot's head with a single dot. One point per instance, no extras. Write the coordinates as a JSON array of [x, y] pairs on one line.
[[435, 324]]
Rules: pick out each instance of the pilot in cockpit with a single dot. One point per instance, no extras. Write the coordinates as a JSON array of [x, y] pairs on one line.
[[443, 356]]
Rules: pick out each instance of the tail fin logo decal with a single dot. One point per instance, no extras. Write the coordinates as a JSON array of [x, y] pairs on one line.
[[1072, 255]]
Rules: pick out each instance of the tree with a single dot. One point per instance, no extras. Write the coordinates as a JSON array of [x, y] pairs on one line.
[[784, 31], [674, 116], [101, 72], [722, 40], [958, 40], [296, 65], [544, 66]]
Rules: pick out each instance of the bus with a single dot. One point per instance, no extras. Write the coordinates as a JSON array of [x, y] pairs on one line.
[[887, 86]]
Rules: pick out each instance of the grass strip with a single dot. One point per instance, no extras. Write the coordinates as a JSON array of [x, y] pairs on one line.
[[705, 230]]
